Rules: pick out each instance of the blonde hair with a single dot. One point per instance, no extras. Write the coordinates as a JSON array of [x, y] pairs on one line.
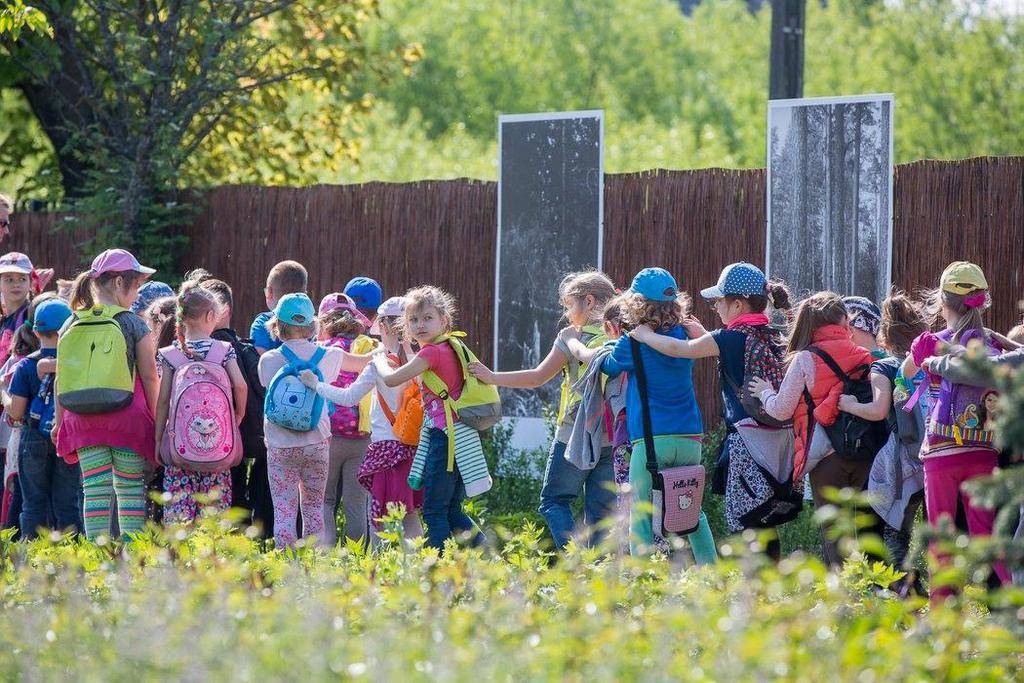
[[193, 302], [586, 283], [83, 289], [658, 315], [813, 313], [419, 298], [969, 318]]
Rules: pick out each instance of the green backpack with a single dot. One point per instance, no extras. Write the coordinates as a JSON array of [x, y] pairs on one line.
[[92, 364], [478, 406]]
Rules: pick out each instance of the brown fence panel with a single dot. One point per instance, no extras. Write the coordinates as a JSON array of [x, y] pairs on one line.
[[47, 243], [691, 222]]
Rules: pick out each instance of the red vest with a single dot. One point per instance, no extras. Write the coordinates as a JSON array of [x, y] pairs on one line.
[[835, 341]]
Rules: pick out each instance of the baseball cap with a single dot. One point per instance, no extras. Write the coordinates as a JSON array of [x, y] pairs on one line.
[[150, 292], [51, 315], [365, 292], [117, 261], [962, 277], [295, 309], [656, 284], [738, 279], [16, 262], [389, 309], [339, 301]]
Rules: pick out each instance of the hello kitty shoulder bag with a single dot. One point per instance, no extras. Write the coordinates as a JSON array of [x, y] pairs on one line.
[[201, 434], [676, 492]]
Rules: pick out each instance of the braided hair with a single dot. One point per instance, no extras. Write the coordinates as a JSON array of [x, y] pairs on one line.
[[193, 302]]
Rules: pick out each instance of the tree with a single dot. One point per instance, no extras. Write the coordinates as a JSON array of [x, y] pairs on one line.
[[16, 16], [130, 93]]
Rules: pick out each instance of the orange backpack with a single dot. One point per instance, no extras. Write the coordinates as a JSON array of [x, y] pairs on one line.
[[408, 421]]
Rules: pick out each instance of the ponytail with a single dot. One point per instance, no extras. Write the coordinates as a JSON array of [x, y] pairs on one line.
[[779, 296], [81, 296]]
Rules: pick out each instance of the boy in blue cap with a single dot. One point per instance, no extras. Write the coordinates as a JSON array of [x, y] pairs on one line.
[[366, 293], [49, 484]]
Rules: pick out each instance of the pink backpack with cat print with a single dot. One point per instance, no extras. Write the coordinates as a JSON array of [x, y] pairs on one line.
[[201, 434], [344, 419]]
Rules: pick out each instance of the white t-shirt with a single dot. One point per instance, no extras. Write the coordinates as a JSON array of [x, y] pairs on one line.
[[274, 360], [368, 380]]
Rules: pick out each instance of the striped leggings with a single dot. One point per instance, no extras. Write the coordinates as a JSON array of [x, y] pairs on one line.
[[104, 471]]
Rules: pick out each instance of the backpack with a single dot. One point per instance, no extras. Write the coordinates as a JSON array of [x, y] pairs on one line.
[[201, 434], [764, 357], [960, 412], [7, 336], [92, 364], [251, 429], [477, 407], [851, 436], [43, 421], [290, 403], [345, 419]]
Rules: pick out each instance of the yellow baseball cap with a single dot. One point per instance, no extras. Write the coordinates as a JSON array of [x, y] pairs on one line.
[[962, 277]]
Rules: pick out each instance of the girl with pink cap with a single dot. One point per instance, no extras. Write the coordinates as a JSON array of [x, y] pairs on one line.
[[113, 447]]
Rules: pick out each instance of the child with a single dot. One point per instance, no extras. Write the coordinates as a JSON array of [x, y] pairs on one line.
[[50, 486], [654, 300], [160, 317], [584, 296], [747, 346], [287, 277], [198, 313], [956, 453], [385, 470], [297, 461], [19, 280], [366, 294], [112, 447], [428, 319], [24, 344], [342, 326], [250, 483], [149, 294], [865, 321], [896, 480], [822, 323]]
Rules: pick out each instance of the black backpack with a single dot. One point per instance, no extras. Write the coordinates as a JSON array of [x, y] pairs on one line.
[[851, 436], [251, 428]]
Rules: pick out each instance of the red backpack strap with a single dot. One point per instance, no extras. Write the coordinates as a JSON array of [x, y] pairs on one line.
[[174, 356], [218, 352]]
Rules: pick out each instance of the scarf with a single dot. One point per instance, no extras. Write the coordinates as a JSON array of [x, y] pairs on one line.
[[751, 319]]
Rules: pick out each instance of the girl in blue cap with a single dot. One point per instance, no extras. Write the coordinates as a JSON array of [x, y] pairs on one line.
[[752, 469], [654, 300]]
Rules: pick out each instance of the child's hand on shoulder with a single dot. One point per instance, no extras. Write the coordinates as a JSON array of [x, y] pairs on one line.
[[308, 377], [481, 372], [567, 333], [847, 401], [46, 366], [642, 333], [758, 385], [693, 328]]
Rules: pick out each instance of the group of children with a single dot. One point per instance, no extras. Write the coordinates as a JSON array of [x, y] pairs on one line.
[[123, 385]]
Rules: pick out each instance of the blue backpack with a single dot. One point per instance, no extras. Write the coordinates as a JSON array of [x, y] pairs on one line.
[[43, 410], [289, 403]]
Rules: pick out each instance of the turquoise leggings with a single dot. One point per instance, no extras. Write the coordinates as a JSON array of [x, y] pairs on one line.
[[670, 451]]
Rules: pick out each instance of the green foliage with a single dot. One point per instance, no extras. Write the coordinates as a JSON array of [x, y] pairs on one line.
[[16, 16], [209, 605]]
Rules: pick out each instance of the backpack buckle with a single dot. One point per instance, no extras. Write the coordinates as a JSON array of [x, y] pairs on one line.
[[443, 395]]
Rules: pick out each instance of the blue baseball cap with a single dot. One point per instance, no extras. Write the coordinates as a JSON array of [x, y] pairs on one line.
[[295, 309], [656, 284], [365, 292], [150, 292], [738, 279], [51, 315]]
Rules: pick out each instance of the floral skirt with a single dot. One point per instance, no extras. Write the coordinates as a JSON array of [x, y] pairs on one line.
[[183, 485], [384, 474]]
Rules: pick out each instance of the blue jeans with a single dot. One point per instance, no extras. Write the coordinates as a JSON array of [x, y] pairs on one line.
[[564, 483], [443, 493], [51, 489]]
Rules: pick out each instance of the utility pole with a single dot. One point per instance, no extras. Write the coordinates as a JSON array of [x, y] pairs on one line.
[[786, 78]]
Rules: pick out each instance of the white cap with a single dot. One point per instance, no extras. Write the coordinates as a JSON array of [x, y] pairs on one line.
[[392, 308]]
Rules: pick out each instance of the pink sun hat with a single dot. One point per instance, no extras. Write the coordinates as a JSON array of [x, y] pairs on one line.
[[339, 301], [118, 261]]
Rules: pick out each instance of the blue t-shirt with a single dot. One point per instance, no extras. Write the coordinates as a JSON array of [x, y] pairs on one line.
[[732, 349], [674, 409], [25, 382], [261, 337]]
